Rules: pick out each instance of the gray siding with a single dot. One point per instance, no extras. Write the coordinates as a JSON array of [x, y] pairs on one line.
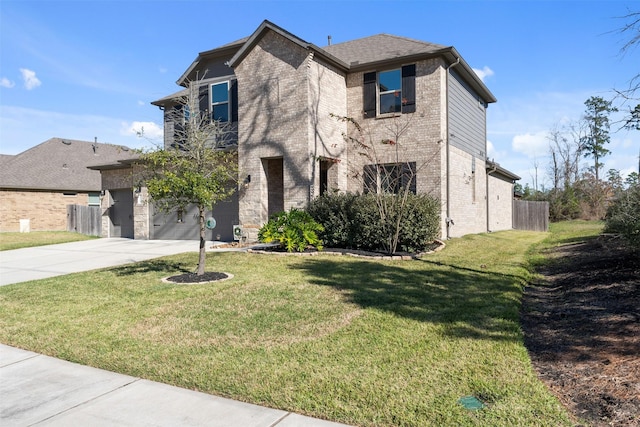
[[214, 68], [467, 118]]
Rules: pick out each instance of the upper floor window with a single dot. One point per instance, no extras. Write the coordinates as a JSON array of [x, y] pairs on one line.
[[390, 91], [220, 101]]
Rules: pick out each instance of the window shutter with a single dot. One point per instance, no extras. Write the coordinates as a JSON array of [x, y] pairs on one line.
[[203, 100], [234, 101], [409, 88], [369, 94], [370, 179]]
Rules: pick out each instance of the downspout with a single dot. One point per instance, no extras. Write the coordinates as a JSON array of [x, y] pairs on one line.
[[448, 220], [487, 187]]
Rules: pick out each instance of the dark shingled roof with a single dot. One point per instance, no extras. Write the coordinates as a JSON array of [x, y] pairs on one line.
[[60, 164], [381, 47], [355, 55]]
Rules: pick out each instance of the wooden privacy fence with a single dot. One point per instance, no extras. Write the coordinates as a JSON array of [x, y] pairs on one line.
[[84, 219], [530, 215]]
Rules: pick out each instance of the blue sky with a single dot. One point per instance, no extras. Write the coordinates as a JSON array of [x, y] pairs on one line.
[[85, 69]]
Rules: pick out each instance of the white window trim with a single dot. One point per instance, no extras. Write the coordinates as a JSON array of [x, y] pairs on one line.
[[228, 101], [379, 94]]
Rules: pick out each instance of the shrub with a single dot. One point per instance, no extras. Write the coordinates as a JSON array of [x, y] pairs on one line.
[[623, 216], [353, 221], [563, 205], [335, 213], [420, 223], [293, 230]]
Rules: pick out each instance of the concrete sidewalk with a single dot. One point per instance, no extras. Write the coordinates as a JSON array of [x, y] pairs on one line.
[[21, 265], [41, 390]]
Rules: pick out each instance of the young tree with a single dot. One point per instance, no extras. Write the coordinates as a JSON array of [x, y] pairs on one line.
[[197, 169], [615, 181], [594, 142]]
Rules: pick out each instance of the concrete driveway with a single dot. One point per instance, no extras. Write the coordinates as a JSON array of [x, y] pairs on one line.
[[21, 265]]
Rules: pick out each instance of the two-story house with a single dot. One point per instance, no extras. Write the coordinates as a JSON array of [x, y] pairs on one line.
[[282, 95]]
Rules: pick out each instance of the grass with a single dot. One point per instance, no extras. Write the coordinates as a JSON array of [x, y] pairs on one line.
[[10, 241], [370, 343], [562, 234]]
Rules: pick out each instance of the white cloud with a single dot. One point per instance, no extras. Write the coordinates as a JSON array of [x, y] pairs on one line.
[[149, 130], [531, 144], [484, 72], [5, 82], [30, 79]]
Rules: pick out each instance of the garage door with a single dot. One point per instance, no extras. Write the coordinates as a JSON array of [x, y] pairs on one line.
[[184, 224]]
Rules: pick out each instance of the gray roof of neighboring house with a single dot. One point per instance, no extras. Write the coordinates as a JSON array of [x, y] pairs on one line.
[[5, 157], [60, 164]]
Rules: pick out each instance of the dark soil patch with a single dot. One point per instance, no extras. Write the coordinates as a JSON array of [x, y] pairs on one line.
[[582, 330], [191, 278]]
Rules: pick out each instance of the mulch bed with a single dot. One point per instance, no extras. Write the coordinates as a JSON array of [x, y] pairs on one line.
[[582, 329], [193, 278]]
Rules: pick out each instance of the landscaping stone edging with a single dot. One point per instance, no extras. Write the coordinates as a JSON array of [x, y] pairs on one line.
[[354, 253]]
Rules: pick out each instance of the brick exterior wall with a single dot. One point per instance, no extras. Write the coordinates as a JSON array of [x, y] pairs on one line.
[[419, 136], [285, 97], [500, 196], [45, 210], [468, 207]]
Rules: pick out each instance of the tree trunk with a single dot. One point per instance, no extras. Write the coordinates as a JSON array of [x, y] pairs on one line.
[[201, 259]]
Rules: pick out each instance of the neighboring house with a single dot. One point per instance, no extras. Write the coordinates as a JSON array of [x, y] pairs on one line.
[[279, 92], [37, 185]]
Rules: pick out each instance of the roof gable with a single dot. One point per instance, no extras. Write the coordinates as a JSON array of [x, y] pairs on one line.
[[60, 164], [224, 51], [266, 26]]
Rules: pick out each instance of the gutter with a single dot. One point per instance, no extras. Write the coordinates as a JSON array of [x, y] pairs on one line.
[[448, 220]]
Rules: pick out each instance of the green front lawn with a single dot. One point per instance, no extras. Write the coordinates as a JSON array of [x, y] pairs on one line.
[[10, 241], [371, 343]]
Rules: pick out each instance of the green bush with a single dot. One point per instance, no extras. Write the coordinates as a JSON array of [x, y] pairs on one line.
[[623, 216], [352, 221], [420, 224], [563, 205], [334, 212], [293, 230]]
